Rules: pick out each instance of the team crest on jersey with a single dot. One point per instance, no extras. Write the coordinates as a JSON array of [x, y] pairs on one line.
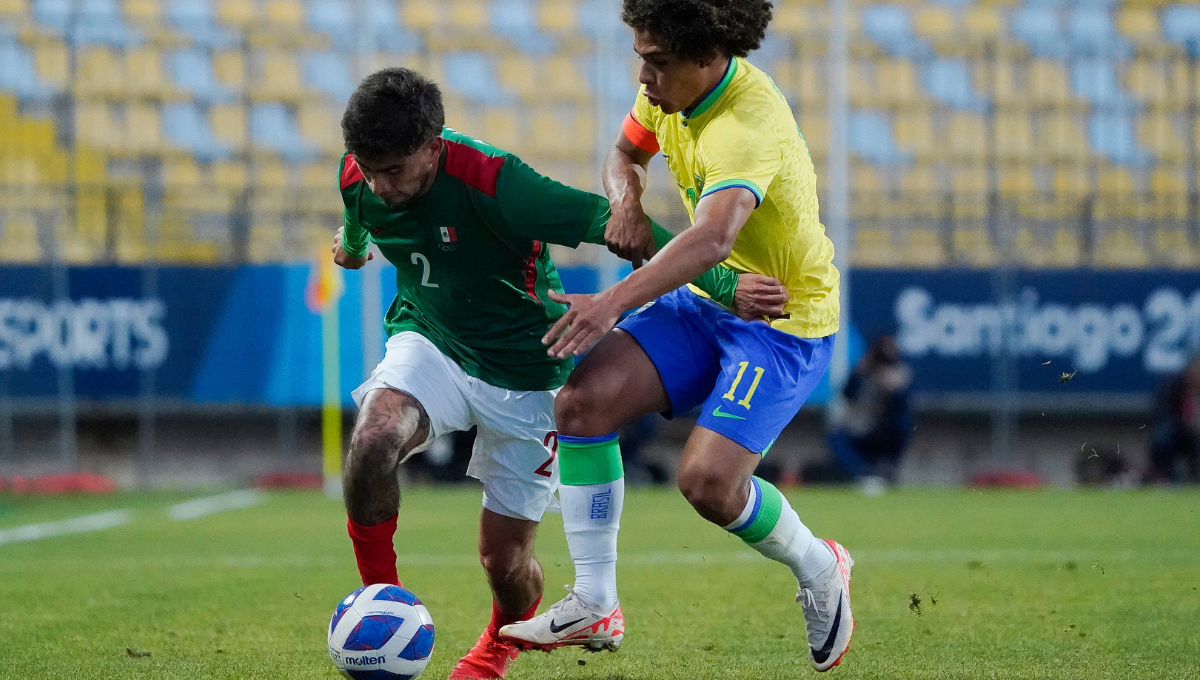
[[449, 238]]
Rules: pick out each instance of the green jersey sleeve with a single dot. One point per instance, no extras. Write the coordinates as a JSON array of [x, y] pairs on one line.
[[537, 207], [354, 237]]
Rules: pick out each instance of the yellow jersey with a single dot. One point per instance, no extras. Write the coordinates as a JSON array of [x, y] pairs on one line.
[[742, 134]]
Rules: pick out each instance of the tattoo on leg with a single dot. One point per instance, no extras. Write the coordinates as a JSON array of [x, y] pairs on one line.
[[390, 425]]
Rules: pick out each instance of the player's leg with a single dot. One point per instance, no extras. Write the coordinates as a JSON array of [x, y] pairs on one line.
[[391, 424], [766, 376], [618, 381]]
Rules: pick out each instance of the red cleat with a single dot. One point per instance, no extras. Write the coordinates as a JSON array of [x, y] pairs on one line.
[[488, 659]]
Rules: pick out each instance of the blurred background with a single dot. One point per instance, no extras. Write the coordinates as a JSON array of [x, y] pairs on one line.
[[1012, 187]]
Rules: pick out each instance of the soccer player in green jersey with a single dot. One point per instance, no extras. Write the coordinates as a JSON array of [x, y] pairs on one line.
[[745, 176], [466, 226]]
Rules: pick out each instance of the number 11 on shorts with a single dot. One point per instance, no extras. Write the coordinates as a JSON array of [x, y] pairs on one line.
[[745, 401]]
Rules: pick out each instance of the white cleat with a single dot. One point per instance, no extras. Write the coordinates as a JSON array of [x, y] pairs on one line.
[[827, 611], [570, 621]]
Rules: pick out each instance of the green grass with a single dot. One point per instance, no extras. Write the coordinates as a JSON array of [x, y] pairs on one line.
[[1048, 584]]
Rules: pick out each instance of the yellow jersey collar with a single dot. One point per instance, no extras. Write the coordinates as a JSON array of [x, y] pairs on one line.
[[713, 94]]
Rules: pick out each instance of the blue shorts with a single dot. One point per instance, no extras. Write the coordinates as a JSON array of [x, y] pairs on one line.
[[750, 379]]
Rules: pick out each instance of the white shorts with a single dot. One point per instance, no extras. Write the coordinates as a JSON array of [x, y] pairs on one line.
[[516, 445]]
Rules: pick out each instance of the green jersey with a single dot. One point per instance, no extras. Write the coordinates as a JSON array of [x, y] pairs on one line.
[[472, 267]]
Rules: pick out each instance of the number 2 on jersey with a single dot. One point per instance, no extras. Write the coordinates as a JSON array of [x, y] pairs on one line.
[[418, 258], [758, 374]]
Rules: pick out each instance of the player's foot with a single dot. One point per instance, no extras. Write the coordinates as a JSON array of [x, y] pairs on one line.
[[488, 659], [827, 611], [572, 621]]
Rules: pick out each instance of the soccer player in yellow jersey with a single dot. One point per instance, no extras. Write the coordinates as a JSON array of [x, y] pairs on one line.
[[746, 177]]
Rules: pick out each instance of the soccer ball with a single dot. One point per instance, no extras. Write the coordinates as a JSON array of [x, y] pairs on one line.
[[381, 632]]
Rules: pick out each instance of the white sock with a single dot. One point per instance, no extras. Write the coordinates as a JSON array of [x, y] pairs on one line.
[[786, 539], [591, 518]]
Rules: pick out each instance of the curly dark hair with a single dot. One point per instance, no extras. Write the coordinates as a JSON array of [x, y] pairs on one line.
[[393, 111], [697, 29]]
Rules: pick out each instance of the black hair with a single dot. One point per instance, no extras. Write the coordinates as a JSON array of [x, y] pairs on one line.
[[697, 30], [393, 111]]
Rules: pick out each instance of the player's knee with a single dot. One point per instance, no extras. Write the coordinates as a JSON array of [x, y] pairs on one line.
[[578, 413], [708, 491], [502, 563], [373, 451]]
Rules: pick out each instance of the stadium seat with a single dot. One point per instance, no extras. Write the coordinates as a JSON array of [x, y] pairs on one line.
[[517, 73], [1090, 33], [815, 130], [1016, 181], [1047, 84], [14, 11], [469, 15], [874, 248], [421, 15], [51, 60], [1061, 139], [229, 125], [558, 16], [870, 138], [52, 16], [99, 73], [329, 73], [1014, 136], [1181, 24], [1095, 80], [143, 129], [1112, 135], [1157, 134], [985, 26], [1120, 249], [997, 79], [937, 25], [385, 31], [973, 247], [284, 16], [890, 27], [501, 127], [185, 127], [97, 127], [181, 172], [1140, 26], [334, 18], [280, 77], [923, 248], [18, 72], [192, 73], [1071, 182], [896, 83], [1174, 248], [517, 20], [19, 238], [473, 74], [1039, 29], [229, 67], [914, 134], [1148, 83], [273, 128], [195, 18], [562, 79], [100, 22], [238, 14], [949, 82], [563, 135], [966, 138], [320, 126], [144, 73]]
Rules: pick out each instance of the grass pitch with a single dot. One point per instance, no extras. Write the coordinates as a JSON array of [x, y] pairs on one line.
[[949, 584]]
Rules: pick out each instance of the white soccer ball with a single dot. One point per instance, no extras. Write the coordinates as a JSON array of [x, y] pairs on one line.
[[381, 632]]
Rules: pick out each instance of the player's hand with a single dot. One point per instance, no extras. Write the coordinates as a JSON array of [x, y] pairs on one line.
[[629, 237], [341, 259], [587, 320], [759, 296]]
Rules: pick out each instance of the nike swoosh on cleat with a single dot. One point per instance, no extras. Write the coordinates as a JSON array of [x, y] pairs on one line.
[[721, 414], [559, 629], [822, 655]]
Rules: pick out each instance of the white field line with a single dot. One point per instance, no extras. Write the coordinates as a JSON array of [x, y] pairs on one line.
[[656, 559], [210, 505], [73, 525]]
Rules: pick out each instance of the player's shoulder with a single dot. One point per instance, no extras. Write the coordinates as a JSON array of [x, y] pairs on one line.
[[349, 173], [474, 162]]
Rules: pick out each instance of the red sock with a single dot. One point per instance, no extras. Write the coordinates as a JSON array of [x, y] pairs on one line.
[[500, 620], [374, 551]]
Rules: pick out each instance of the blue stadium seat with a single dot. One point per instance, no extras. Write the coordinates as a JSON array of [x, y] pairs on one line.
[[192, 72], [195, 18], [949, 82], [386, 32], [1181, 24], [184, 126], [17, 74], [273, 127], [334, 18], [52, 15], [601, 16], [889, 25], [1090, 33], [474, 74], [1096, 81], [517, 19], [99, 21], [330, 73], [612, 78], [1111, 134], [871, 139], [1039, 28]]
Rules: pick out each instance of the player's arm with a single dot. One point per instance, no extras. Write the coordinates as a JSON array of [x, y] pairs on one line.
[[628, 234], [350, 244], [720, 216]]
